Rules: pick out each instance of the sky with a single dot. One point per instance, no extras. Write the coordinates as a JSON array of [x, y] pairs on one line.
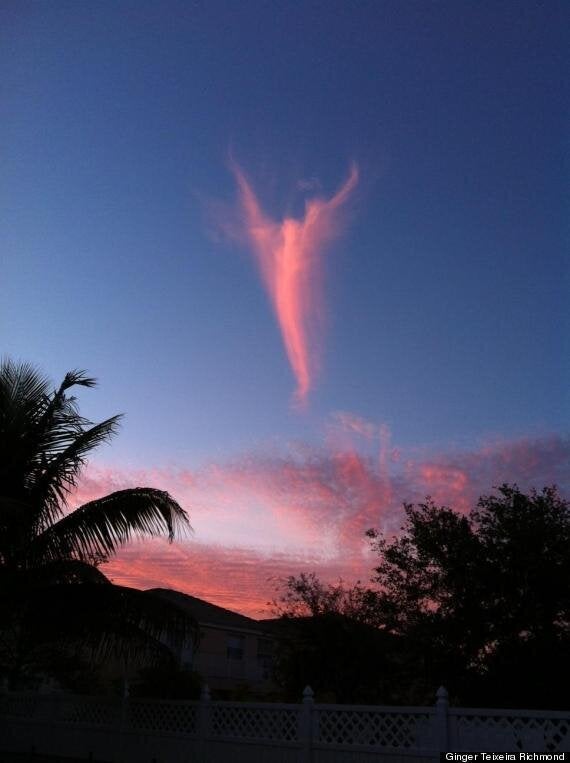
[[315, 252]]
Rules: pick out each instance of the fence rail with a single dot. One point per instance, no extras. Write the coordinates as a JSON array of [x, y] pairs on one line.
[[158, 730]]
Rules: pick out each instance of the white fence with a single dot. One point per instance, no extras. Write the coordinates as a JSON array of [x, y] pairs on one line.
[[145, 731]]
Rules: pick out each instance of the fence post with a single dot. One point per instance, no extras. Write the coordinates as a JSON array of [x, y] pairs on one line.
[[203, 722], [306, 725], [441, 719]]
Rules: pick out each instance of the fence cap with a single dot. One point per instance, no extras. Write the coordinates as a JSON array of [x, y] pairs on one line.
[[205, 694], [442, 694], [308, 694]]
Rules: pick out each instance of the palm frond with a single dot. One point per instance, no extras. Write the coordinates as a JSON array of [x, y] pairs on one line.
[[66, 571], [51, 590], [43, 439], [77, 377], [19, 587], [20, 382], [23, 398], [100, 527], [61, 422], [59, 475], [110, 621]]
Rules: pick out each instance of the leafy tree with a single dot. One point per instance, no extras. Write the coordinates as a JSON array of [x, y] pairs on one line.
[[52, 590], [485, 598], [479, 603], [333, 638], [342, 659], [306, 595]]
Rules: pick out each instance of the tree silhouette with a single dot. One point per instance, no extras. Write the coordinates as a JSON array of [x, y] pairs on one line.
[[485, 598], [479, 603], [53, 594]]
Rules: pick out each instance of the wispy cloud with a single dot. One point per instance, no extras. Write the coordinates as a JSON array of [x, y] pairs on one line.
[[351, 423], [289, 256], [267, 515], [242, 579]]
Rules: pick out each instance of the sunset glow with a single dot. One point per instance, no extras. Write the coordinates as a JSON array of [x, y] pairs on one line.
[[263, 516], [315, 256]]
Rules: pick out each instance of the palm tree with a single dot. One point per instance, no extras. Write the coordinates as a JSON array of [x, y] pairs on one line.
[[52, 590]]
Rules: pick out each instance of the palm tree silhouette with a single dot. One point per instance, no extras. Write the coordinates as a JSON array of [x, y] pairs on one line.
[[52, 590]]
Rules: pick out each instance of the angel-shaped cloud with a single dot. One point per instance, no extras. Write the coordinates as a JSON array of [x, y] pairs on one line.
[[289, 257]]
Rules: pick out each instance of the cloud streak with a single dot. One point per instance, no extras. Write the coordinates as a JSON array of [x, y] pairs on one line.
[[289, 257], [242, 579], [268, 515]]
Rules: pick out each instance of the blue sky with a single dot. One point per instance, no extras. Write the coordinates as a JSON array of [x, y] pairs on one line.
[[446, 292]]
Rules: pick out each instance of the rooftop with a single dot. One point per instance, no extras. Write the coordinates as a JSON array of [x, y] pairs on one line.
[[210, 614]]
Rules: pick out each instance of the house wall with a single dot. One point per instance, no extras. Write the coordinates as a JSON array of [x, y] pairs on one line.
[[225, 670]]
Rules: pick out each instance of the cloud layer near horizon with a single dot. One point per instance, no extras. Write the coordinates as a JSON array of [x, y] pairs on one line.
[[265, 516], [289, 257]]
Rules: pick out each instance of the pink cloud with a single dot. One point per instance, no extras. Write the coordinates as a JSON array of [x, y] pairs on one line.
[[241, 579], [289, 257], [349, 422], [458, 478], [445, 484], [276, 514]]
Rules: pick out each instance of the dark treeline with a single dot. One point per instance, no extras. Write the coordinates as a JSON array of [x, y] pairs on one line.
[[478, 603]]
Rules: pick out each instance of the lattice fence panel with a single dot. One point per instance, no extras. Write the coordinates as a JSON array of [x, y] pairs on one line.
[[93, 712], [14, 706], [172, 717], [544, 734], [275, 724], [376, 729]]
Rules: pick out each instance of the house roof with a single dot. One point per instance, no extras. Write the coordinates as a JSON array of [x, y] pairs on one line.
[[210, 614]]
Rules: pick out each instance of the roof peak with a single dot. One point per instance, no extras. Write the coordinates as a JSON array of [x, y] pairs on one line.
[[205, 611]]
